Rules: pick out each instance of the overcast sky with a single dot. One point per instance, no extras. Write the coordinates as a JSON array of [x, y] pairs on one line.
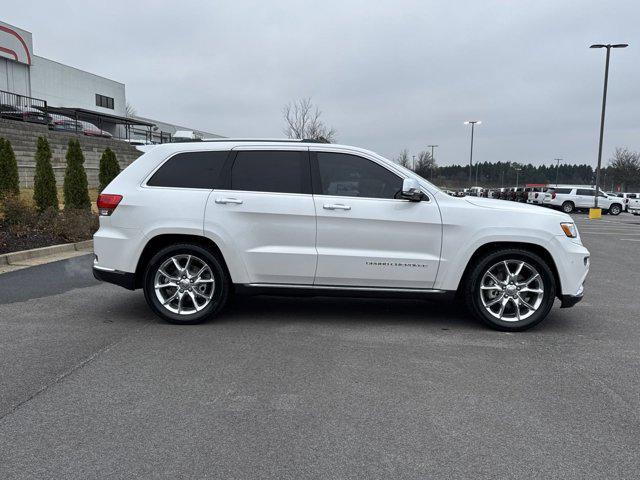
[[387, 75]]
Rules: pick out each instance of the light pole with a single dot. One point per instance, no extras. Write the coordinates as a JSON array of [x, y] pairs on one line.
[[473, 125], [433, 159], [557, 169], [517, 169], [414, 163], [604, 105]]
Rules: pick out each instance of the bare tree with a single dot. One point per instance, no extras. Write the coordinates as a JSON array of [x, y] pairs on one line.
[[302, 120], [425, 164], [625, 167], [403, 159], [130, 110]]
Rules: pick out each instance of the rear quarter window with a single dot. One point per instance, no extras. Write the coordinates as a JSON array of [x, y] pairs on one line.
[[190, 170]]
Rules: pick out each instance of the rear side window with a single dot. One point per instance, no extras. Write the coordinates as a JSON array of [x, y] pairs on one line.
[[190, 170], [564, 191], [271, 171], [586, 192], [347, 175]]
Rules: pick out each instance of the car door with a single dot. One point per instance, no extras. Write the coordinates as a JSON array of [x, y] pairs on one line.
[[584, 198], [366, 236], [266, 215]]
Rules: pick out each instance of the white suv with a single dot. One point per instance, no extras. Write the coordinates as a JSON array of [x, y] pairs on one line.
[[192, 223], [569, 199]]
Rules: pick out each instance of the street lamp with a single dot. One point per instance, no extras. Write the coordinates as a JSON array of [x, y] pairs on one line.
[[604, 104], [518, 170], [557, 169], [473, 125], [433, 159]]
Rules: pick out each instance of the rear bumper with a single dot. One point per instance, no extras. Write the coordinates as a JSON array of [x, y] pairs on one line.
[[122, 279]]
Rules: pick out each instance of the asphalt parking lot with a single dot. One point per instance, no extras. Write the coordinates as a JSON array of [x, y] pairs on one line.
[[94, 386]]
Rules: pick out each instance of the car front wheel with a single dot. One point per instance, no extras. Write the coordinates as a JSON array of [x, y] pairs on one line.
[[510, 290], [615, 209], [185, 284]]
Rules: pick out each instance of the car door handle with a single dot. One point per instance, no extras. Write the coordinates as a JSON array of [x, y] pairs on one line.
[[224, 201], [336, 206]]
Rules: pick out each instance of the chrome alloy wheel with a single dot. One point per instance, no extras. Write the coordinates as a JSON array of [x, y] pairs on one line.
[[184, 284], [511, 290]]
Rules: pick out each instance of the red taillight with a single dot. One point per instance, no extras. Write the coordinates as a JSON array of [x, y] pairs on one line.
[[553, 195], [107, 203]]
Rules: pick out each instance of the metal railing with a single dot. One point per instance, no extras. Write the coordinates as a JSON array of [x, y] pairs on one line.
[[14, 106], [21, 107]]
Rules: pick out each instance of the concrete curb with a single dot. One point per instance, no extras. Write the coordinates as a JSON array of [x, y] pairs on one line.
[[17, 257]]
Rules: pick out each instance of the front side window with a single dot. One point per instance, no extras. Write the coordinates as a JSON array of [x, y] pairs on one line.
[[190, 170], [271, 171], [347, 175]]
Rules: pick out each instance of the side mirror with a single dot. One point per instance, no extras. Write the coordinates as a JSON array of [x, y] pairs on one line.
[[411, 190]]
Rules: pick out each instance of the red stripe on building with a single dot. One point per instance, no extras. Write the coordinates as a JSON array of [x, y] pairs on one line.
[[17, 35], [10, 52]]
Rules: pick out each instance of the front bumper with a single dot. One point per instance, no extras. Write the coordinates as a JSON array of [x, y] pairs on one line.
[[122, 279], [568, 301]]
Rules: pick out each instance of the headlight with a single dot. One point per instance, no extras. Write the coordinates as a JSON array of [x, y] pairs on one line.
[[569, 229]]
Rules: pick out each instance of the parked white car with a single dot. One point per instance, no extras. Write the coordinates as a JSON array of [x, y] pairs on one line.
[[634, 206], [192, 223], [536, 195], [569, 199]]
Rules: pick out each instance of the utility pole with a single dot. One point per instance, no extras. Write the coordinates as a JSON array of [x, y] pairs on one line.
[[557, 169], [473, 124], [414, 163], [604, 105]]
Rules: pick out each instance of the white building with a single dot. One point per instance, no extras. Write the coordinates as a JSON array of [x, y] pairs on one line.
[[69, 91]]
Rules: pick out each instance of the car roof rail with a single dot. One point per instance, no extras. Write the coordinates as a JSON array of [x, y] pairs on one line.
[[278, 140]]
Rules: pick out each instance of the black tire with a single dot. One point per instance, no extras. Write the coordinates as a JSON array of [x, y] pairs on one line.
[[472, 292], [568, 207], [615, 209], [219, 294]]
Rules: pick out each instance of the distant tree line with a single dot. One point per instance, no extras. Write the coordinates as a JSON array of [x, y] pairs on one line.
[[622, 171]]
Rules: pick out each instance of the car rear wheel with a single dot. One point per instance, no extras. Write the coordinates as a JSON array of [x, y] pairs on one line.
[[615, 209], [568, 207], [510, 290], [185, 284]]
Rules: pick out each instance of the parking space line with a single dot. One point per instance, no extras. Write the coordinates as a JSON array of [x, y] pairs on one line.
[[630, 239], [613, 233], [612, 230]]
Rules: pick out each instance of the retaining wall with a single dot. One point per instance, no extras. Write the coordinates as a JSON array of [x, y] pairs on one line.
[[24, 136]]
